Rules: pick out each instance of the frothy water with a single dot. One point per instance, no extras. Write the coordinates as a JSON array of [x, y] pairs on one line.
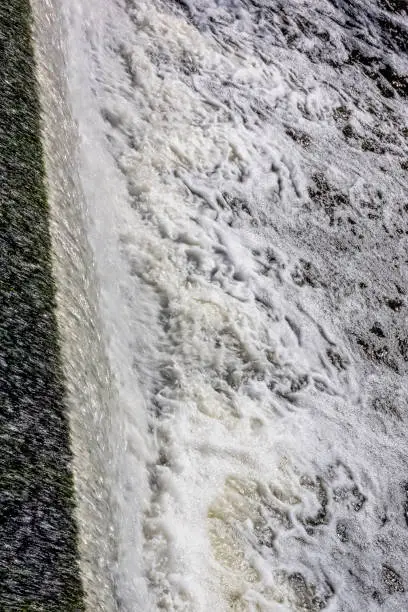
[[243, 169]]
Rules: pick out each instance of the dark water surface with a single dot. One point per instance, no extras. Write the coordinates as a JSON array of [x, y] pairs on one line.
[[38, 558]]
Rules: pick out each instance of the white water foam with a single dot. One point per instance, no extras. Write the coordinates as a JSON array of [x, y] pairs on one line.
[[252, 471]]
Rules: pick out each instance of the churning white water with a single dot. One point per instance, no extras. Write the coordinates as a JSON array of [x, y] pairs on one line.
[[241, 165]]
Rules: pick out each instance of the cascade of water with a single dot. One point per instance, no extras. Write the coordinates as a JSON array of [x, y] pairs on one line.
[[238, 173], [89, 391]]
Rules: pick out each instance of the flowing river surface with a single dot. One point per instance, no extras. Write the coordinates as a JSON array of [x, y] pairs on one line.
[[242, 171]]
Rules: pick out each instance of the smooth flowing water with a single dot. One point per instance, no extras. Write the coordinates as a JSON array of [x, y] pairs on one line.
[[240, 172]]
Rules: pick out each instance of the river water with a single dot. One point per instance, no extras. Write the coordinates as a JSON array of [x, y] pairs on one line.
[[240, 172]]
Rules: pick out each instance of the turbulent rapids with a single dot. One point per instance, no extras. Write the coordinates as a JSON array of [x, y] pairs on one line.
[[239, 169]]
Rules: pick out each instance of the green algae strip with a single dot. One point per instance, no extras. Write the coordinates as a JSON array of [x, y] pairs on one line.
[[38, 535]]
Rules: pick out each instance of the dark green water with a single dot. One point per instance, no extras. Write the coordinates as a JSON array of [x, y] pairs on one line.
[[38, 550]]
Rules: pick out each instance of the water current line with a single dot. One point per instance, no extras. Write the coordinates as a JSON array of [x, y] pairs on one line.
[[88, 383]]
